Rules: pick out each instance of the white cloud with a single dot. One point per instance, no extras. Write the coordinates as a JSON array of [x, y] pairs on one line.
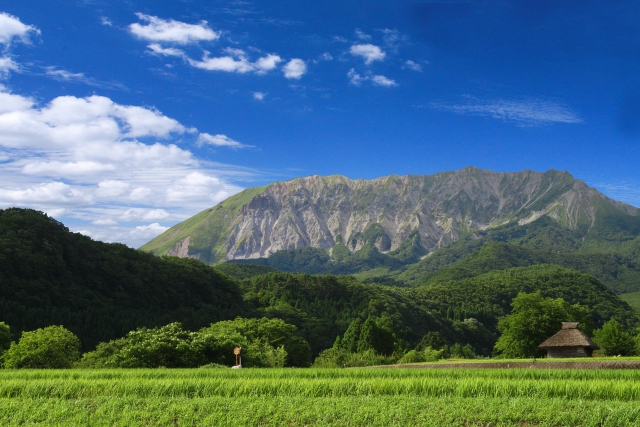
[[361, 35], [6, 65], [11, 27], [357, 79], [197, 187], [295, 69], [220, 141], [411, 65], [63, 74], [46, 194], [523, 113], [369, 52], [106, 21], [156, 49], [223, 63], [81, 159], [148, 232], [259, 95], [325, 57], [161, 30], [383, 81], [267, 63], [111, 188], [103, 222]]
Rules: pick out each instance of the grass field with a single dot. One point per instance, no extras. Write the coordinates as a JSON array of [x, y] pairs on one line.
[[310, 397]]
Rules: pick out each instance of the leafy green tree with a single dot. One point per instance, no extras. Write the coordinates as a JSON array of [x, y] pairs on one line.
[[431, 340], [53, 347], [614, 340], [374, 334], [253, 335], [5, 337], [533, 320], [352, 336]]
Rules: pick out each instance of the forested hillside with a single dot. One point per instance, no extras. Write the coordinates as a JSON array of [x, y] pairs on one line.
[[100, 291], [541, 242]]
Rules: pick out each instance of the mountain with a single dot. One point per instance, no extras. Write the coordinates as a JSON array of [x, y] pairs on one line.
[[50, 276], [403, 217]]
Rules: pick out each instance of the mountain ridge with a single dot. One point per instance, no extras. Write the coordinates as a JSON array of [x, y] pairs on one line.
[[338, 214]]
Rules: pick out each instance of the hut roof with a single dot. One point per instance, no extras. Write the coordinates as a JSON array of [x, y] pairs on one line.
[[569, 336]]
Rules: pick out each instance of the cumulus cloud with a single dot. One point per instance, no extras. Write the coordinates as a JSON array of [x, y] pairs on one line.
[[148, 232], [11, 28], [378, 80], [267, 63], [85, 159], [295, 69], [383, 81], [162, 30], [220, 141], [259, 96], [368, 51], [523, 113], [236, 62], [411, 65]]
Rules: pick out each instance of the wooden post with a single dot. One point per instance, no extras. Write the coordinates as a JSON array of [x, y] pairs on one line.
[[236, 351]]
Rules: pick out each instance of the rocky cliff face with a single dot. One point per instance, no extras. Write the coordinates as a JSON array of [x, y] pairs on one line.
[[325, 211]]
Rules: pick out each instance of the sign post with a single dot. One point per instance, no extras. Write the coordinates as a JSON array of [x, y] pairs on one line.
[[236, 351]]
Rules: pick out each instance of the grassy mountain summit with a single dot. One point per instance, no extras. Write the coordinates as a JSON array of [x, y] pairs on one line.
[[342, 216]]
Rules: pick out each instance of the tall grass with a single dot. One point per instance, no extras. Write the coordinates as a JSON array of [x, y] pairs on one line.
[[620, 385]]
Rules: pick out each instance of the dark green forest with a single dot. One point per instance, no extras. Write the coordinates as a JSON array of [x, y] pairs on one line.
[[543, 241], [101, 291]]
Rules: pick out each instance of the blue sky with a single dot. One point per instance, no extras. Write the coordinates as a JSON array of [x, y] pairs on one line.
[[122, 118]]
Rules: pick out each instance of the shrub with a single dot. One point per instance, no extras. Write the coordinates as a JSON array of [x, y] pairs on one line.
[[53, 347], [340, 358], [413, 356]]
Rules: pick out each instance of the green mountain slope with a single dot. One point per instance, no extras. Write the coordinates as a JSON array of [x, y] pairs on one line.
[[100, 291], [488, 296]]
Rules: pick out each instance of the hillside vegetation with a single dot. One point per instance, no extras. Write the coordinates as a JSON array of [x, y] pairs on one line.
[[100, 291]]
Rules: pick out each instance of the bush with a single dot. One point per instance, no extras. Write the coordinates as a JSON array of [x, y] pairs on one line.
[[269, 343], [340, 358], [413, 356], [432, 355], [53, 347], [168, 346]]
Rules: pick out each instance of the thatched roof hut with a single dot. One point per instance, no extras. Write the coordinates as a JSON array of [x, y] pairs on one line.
[[569, 342]]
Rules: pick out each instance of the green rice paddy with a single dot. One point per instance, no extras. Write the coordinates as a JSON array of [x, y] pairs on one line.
[[315, 397]]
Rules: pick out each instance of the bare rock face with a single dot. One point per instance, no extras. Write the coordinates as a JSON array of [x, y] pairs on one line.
[[322, 211]]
